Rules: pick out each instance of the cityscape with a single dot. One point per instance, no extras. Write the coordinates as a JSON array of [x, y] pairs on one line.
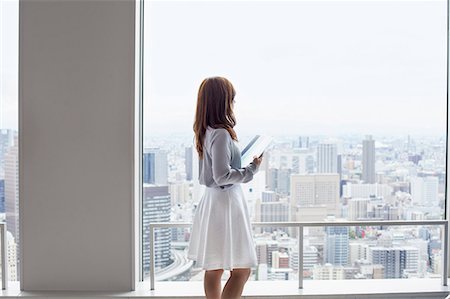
[[301, 178], [304, 176], [312, 178]]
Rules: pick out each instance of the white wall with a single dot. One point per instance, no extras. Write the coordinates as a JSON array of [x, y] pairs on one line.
[[76, 140]]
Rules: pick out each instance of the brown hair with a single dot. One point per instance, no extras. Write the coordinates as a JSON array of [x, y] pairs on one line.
[[214, 108]]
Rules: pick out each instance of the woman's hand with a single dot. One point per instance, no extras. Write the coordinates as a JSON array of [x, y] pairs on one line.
[[257, 160]]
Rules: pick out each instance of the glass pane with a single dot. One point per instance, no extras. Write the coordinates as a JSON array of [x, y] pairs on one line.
[[9, 154], [354, 94]]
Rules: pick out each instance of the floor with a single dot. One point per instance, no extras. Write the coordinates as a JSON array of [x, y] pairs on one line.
[[336, 289]]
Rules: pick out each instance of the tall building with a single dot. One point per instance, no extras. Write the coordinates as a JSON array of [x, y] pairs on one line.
[[270, 208], [358, 251], [368, 160], [188, 158], [424, 190], [2, 195], [155, 166], [264, 249], [6, 140], [12, 257], [156, 208], [179, 192], [336, 245], [396, 260], [327, 161], [279, 180], [315, 190], [358, 208], [12, 193], [303, 142]]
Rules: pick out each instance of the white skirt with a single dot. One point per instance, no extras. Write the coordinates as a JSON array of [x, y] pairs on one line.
[[221, 233]]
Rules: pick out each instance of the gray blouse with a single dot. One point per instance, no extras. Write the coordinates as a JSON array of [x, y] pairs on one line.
[[221, 163]]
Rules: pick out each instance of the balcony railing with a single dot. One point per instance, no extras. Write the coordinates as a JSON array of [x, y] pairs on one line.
[[300, 225]]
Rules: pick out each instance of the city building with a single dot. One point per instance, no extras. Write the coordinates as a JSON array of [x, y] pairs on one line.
[[189, 159], [395, 260], [327, 161], [358, 208], [315, 190], [424, 190], [368, 160], [156, 208], [155, 166], [12, 194], [336, 245]]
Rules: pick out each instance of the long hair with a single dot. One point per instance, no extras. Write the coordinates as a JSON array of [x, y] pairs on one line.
[[214, 108]]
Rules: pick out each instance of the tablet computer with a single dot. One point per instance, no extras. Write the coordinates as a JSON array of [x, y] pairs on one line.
[[255, 147]]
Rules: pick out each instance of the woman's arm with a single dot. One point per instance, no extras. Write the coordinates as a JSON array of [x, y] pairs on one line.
[[221, 156]]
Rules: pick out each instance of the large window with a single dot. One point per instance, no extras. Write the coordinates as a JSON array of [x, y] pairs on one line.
[[9, 155], [354, 93]]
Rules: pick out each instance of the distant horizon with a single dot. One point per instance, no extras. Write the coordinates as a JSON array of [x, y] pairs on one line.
[[378, 78]]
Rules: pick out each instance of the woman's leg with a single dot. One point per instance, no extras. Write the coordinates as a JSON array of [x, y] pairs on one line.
[[212, 283], [235, 284]]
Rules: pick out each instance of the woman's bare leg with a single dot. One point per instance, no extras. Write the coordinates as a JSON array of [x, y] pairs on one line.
[[235, 284], [212, 283]]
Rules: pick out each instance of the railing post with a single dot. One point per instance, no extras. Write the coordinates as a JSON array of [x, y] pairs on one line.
[[445, 253], [300, 256], [152, 257], [4, 253]]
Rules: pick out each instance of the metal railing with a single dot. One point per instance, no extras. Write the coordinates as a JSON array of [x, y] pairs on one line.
[[300, 225], [4, 253]]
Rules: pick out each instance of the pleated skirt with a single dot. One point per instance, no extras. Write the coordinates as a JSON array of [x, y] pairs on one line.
[[221, 233]]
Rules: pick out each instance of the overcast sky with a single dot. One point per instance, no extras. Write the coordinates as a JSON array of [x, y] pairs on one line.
[[299, 67]]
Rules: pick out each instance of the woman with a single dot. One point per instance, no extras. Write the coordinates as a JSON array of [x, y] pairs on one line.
[[221, 233]]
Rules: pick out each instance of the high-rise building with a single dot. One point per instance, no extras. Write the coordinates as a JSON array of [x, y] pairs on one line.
[[188, 154], [12, 257], [303, 142], [270, 208], [269, 196], [424, 190], [315, 190], [6, 140], [279, 180], [179, 192], [327, 161], [395, 260], [357, 208], [358, 251], [336, 245], [368, 160], [155, 166], [2, 195], [156, 208], [264, 249], [12, 193]]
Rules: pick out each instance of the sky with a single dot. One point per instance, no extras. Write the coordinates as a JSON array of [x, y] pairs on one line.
[[299, 67], [9, 52]]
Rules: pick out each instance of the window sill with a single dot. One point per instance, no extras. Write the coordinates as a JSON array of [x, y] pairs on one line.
[[336, 289]]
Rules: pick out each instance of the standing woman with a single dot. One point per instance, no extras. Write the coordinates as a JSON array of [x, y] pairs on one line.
[[221, 233]]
